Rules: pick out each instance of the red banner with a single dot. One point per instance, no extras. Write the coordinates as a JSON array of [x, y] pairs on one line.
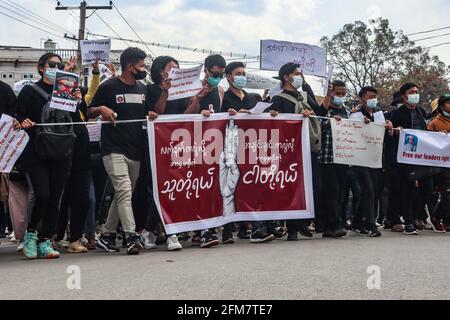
[[208, 172]]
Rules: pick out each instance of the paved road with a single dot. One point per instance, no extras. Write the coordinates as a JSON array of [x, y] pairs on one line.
[[411, 268]]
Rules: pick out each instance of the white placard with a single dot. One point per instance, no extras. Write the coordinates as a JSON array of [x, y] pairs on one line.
[[328, 79], [95, 132], [63, 92], [257, 81], [185, 82], [260, 108], [18, 86], [379, 117], [312, 59], [358, 144], [91, 50], [424, 148], [12, 144]]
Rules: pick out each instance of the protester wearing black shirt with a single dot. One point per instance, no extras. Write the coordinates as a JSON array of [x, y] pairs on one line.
[[211, 100], [48, 177], [123, 98], [8, 100]]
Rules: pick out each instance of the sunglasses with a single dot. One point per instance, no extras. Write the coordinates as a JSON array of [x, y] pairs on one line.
[[54, 64], [220, 75]]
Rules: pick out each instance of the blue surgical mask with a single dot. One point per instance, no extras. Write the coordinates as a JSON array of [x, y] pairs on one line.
[[50, 73], [339, 101], [214, 82], [240, 82], [297, 82], [413, 99], [372, 103], [446, 114]]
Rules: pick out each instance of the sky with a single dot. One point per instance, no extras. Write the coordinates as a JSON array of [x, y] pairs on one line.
[[230, 25]]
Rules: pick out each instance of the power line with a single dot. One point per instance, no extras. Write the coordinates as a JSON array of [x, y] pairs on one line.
[[428, 31], [36, 16], [437, 45], [35, 27], [139, 37], [106, 23], [433, 37]]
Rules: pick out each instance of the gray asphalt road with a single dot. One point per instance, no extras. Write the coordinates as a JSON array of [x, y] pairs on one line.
[[410, 268]]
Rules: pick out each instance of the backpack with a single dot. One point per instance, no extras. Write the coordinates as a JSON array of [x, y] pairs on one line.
[[315, 131], [53, 142]]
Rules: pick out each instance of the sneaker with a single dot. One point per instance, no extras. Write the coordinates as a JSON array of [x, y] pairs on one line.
[[292, 236], [90, 244], [209, 240], [196, 240], [107, 243], [438, 226], [149, 240], [46, 251], [227, 239], [398, 228], [184, 236], [77, 247], [410, 230], [261, 237], [305, 232], [374, 233], [134, 245], [20, 247], [11, 237], [420, 225], [280, 232], [63, 244], [173, 244], [335, 234], [244, 234], [30, 245]]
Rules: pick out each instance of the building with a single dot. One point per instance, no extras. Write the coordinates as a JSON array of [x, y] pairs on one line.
[[20, 63]]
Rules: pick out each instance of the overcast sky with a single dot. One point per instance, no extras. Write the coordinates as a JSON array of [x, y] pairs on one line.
[[232, 25]]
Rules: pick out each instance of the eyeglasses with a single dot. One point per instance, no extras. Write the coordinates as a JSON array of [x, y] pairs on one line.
[[54, 64]]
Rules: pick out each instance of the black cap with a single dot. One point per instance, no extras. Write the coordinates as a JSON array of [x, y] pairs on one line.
[[443, 99]]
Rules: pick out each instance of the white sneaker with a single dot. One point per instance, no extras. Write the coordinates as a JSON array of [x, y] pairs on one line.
[[149, 240], [173, 244], [11, 236], [20, 247], [63, 244]]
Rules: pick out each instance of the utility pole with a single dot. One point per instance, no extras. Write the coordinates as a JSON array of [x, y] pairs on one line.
[[82, 30]]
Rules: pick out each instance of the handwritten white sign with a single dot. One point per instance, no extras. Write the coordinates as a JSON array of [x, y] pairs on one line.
[[257, 81], [91, 50], [95, 132], [312, 59], [185, 83], [358, 144], [12, 144]]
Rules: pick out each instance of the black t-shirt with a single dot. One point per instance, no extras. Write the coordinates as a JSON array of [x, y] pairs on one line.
[[212, 98], [81, 158], [8, 100], [232, 101], [154, 92], [130, 103]]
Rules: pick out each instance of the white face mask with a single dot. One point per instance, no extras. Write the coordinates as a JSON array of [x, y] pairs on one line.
[[297, 82], [413, 99]]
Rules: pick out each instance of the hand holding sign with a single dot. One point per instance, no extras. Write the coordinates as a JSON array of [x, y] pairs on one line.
[[229, 171]]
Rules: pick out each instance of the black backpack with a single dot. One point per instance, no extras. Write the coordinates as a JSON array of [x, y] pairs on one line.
[[54, 142]]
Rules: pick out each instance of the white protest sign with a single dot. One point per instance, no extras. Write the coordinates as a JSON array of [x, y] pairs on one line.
[[328, 79], [424, 148], [312, 59], [257, 81], [185, 83], [379, 117], [357, 116], [18, 86], [91, 50], [274, 91], [63, 92], [358, 144], [260, 108], [95, 132], [12, 143]]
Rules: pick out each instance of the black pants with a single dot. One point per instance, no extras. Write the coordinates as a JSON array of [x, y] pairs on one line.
[[369, 180], [333, 179], [74, 205], [48, 179], [99, 177]]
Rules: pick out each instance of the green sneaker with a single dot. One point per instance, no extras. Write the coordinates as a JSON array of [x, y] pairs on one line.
[[30, 245], [46, 250]]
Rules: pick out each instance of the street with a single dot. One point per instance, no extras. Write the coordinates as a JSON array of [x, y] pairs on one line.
[[416, 267]]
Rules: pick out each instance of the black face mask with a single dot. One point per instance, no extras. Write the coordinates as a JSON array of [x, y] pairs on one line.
[[139, 75]]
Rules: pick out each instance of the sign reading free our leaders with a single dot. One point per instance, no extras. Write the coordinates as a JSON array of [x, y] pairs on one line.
[[424, 148], [91, 50]]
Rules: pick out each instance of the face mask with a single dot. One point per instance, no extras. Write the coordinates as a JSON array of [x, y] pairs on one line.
[[50, 73], [213, 82], [240, 82], [339, 101], [297, 82], [413, 99], [446, 114], [372, 103], [140, 75]]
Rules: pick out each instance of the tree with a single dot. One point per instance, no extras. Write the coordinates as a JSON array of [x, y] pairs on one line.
[[376, 55]]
